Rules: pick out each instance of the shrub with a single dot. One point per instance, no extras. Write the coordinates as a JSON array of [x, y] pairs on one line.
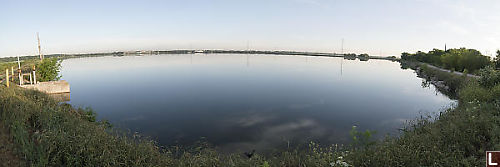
[[48, 70], [475, 93], [489, 77]]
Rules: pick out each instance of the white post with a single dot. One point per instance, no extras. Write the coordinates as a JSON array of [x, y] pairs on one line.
[[34, 77], [18, 63], [20, 77], [31, 80]]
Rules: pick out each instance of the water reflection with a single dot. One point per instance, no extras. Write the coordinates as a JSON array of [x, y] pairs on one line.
[[244, 102], [61, 97]]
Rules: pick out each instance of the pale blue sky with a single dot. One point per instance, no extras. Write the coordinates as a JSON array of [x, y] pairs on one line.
[[368, 26]]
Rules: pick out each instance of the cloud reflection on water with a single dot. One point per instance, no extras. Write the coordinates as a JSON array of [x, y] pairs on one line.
[[179, 99]]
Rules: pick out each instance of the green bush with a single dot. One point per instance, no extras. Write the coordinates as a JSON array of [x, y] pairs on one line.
[[48, 70], [475, 93], [489, 77], [361, 140]]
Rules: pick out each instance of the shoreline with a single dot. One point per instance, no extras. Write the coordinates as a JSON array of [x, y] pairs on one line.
[[190, 51]]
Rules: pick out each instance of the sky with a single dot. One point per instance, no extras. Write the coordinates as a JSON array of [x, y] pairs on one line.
[[376, 27]]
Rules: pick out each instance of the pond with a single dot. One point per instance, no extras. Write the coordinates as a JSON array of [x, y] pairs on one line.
[[240, 102]]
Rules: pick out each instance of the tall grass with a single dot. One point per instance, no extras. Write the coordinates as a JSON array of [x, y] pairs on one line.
[[53, 134]]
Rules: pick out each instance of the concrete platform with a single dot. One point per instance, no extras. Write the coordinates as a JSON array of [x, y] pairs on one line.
[[50, 87]]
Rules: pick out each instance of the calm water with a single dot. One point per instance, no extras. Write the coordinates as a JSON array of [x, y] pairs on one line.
[[244, 102]]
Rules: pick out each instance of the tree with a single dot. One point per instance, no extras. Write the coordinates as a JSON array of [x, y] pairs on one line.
[[497, 60], [457, 59], [405, 56], [48, 70], [434, 57], [473, 60], [449, 60], [463, 58]]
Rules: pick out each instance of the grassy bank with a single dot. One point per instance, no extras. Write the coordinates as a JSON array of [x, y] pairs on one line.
[[7, 155], [48, 133], [457, 137]]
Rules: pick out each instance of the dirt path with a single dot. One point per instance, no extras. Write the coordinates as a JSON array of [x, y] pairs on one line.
[[7, 155], [445, 70]]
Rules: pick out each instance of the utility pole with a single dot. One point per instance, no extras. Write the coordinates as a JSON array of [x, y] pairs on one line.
[[342, 47], [248, 60], [39, 46], [248, 45], [342, 59]]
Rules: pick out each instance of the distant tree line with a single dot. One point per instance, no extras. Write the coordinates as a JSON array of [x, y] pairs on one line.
[[353, 56], [460, 59]]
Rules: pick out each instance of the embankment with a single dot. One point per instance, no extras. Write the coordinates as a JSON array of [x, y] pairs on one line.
[[457, 137]]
